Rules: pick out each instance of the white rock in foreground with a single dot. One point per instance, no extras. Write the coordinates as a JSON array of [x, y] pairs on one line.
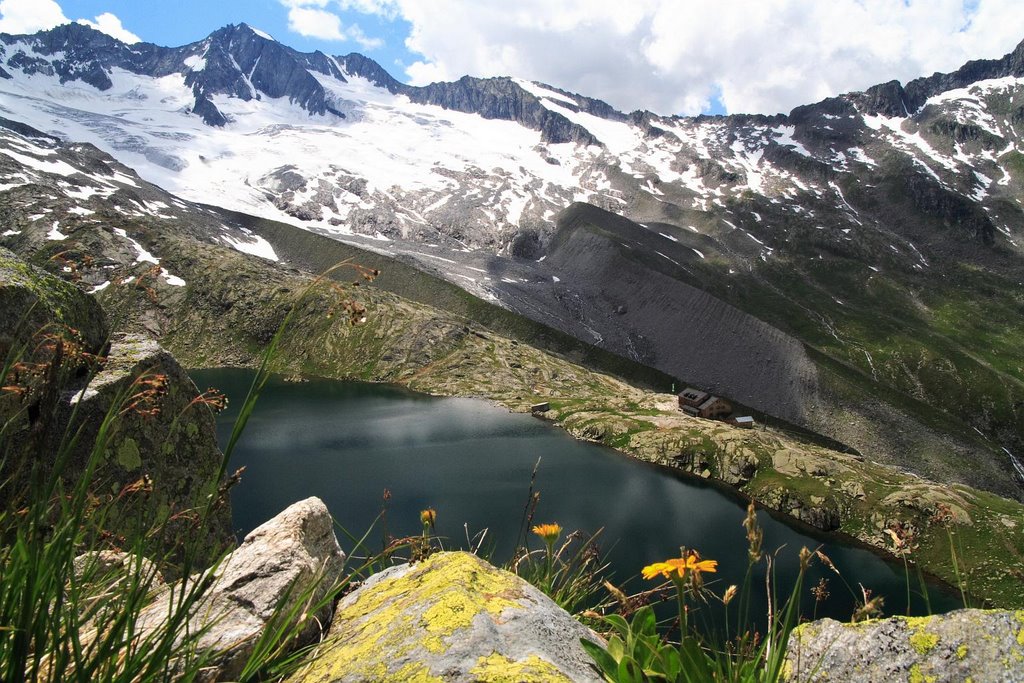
[[274, 567]]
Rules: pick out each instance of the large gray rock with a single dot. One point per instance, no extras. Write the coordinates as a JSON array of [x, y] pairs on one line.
[[452, 617], [291, 558], [161, 459], [965, 645]]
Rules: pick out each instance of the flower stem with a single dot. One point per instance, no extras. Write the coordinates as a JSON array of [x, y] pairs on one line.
[[681, 602]]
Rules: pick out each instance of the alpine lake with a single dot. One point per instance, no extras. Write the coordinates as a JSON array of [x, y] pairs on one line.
[[364, 448]]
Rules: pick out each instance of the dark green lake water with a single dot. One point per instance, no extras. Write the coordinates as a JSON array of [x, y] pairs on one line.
[[348, 442]]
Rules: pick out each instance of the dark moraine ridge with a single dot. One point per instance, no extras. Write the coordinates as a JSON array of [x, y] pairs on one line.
[[627, 286]]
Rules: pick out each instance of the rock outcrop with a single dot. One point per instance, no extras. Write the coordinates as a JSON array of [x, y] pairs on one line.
[[156, 462], [452, 617], [966, 645], [161, 459], [290, 561]]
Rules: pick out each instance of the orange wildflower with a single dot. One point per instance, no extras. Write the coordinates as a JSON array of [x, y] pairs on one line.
[[678, 566], [549, 532]]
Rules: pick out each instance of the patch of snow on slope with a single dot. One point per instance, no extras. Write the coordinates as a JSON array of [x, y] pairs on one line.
[[618, 137], [262, 34], [20, 179], [783, 135], [142, 255], [974, 90], [195, 63], [541, 92], [258, 247], [750, 163], [981, 190], [858, 154], [55, 233], [57, 167], [910, 142], [172, 280]]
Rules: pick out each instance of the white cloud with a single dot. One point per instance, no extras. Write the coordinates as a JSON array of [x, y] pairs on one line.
[[111, 25], [29, 16], [315, 23], [310, 19], [676, 56]]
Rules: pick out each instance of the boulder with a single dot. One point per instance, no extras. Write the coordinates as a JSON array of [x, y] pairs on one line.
[[161, 460], [452, 617], [113, 567], [291, 558], [965, 645]]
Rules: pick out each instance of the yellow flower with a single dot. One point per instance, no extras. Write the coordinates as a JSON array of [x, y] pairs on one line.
[[549, 532], [428, 517], [679, 566], [697, 565], [667, 568]]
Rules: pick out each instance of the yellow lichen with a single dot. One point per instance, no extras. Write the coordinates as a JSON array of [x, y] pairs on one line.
[[923, 642], [961, 651], [414, 672], [497, 668], [916, 675], [414, 611], [434, 645]]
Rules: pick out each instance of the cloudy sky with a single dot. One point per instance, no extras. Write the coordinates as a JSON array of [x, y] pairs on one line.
[[668, 56]]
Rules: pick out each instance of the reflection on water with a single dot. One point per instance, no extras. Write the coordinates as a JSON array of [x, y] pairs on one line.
[[349, 442]]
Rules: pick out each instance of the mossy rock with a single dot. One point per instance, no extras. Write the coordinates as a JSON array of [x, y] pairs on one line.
[[452, 617], [33, 301]]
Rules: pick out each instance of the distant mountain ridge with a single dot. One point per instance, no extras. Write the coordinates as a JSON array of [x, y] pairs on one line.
[[238, 61]]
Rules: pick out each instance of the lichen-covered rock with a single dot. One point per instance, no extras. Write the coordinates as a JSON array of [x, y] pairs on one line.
[[452, 617], [161, 460], [965, 645], [293, 558], [38, 311]]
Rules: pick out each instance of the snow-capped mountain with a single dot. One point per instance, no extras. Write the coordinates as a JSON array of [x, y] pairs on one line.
[[339, 145], [764, 257]]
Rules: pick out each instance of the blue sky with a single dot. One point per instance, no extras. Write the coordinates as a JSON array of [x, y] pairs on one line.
[[163, 23], [667, 56]]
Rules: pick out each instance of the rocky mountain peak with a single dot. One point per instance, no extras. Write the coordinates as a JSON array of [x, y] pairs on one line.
[[241, 62], [896, 100]]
